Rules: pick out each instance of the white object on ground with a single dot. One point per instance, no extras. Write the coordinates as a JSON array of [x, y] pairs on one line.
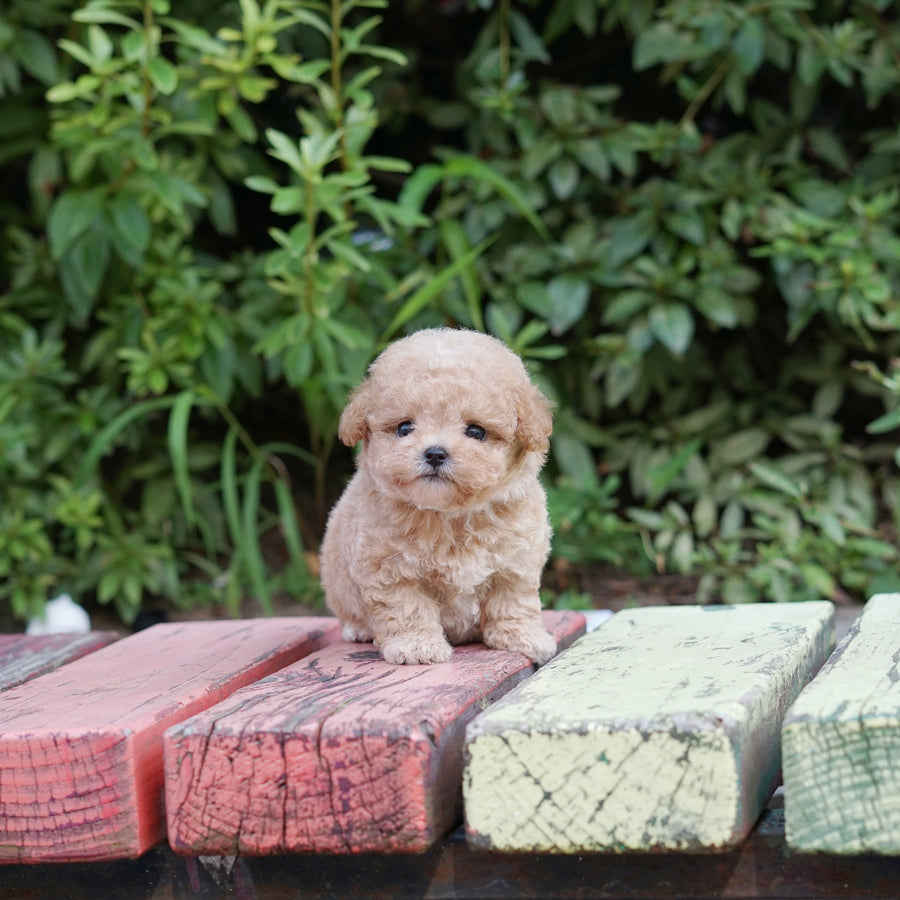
[[61, 614]]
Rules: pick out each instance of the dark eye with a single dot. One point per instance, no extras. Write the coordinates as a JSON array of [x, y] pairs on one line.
[[476, 432], [404, 429]]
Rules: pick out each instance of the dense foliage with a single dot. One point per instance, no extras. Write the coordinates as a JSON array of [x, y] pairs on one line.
[[683, 214]]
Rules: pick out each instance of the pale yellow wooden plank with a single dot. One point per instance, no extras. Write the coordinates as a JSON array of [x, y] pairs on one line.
[[657, 731], [841, 743]]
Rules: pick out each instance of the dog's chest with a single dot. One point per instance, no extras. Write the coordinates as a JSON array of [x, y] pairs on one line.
[[461, 555]]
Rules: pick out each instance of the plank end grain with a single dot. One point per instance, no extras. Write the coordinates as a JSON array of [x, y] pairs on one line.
[[841, 743], [657, 732], [81, 773], [338, 753]]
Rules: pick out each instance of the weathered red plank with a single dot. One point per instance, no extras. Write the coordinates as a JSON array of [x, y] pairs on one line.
[[25, 656], [340, 753], [80, 748]]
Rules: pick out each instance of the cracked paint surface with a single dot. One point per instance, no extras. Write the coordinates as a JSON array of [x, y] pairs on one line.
[[81, 769], [338, 753], [658, 731], [841, 743]]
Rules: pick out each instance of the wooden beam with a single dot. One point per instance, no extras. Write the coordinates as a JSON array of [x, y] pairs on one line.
[[341, 752], [658, 731], [841, 743], [81, 747], [25, 656]]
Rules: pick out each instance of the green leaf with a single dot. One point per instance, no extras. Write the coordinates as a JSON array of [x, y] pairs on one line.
[[628, 237], [575, 459], [704, 515], [71, 216], [662, 42], [819, 579], [163, 75], [563, 177], [287, 517], [648, 518], [673, 326], [456, 241], [593, 156], [718, 306], [103, 15], [827, 145], [422, 297], [229, 485], [285, 149], [419, 185], [569, 297], [298, 363], [888, 422], [526, 39], [350, 255], [262, 183], [100, 43], [179, 419], [251, 552], [129, 228], [661, 477], [687, 224], [832, 527], [66, 91], [469, 166], [775, 478], [37, 56], [750, 45], [350, 336], [82, 270], [740, 447], [105, 440]]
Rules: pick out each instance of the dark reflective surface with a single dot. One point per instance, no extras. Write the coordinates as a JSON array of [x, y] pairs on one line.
[[762, 867]]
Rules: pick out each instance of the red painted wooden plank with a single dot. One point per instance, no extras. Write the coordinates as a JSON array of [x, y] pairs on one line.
[[25, 656], [341, 752], [81, 748]]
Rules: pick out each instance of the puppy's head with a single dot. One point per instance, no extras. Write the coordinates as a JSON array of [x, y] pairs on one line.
[[449, 420]]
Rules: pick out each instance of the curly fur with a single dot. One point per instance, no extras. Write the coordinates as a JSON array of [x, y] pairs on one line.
[[418, 556]]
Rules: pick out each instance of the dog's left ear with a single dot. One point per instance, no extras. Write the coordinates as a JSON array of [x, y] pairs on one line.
[[535, 423], [352, 427]]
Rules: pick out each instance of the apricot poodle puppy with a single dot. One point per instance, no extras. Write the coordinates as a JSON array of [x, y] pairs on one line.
[[442, 534]]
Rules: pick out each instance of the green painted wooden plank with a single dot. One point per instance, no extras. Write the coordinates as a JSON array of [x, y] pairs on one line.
[[841, 743], [657, 731]]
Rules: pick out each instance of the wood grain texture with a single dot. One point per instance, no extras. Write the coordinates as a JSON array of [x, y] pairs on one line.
[[81, 748], [658, 731], [339, 753], [25, 656], [841, 743]]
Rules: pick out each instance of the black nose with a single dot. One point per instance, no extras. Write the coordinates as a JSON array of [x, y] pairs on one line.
[[436, 456]]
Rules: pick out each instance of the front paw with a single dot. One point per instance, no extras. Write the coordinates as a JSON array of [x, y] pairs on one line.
[[356, 633], [533, 641], [410, 652]]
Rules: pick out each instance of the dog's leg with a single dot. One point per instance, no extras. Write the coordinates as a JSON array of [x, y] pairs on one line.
[[407, 625], [511, 620], [461, 619]]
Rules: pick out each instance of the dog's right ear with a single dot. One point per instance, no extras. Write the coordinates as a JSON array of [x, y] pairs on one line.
[[352, 427]]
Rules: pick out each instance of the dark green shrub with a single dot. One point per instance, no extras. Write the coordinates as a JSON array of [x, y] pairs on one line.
[[683, 214]]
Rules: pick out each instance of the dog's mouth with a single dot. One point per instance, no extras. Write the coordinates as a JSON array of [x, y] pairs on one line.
[[435, 475]]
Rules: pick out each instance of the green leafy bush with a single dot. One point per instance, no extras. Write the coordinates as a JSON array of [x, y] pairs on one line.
[[683, 214]]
